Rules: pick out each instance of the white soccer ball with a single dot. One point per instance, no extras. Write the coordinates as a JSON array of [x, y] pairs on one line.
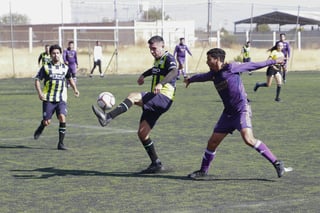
[[106, 100]]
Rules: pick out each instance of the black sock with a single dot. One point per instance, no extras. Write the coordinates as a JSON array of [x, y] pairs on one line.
[[123, 107], [62, 131], [149, 147], [41, 126], [278, 91], [264, 84]]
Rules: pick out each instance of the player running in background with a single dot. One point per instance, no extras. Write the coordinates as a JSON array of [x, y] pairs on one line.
[[153, 103], [273, 71], [237, 112], [286, 52], [70, 58], [180, 53], [97, 58], [54, 93], [44, 57]]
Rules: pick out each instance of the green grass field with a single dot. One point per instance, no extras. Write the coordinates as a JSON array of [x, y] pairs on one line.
[[99, 172]]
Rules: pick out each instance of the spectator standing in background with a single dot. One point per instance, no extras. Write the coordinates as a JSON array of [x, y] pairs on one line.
[[97, 58]]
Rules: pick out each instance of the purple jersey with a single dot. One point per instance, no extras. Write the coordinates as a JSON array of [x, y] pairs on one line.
[[229, 84], [70, 56], [180, 50], [285, 49]]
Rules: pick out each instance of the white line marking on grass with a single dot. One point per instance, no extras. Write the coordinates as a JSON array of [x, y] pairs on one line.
[[260, 204]]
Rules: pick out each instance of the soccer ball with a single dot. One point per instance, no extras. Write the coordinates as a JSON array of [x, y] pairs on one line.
[[106, 100]]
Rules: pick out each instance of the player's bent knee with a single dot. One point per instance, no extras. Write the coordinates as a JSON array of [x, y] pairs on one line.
[[134, 97]]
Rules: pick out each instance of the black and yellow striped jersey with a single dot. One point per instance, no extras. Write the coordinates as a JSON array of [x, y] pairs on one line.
[[161, 68], [54, 77]]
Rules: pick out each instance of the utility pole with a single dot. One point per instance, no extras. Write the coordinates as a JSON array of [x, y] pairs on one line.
[[209, 26], [12, 44], [116, 34], [162, 6]]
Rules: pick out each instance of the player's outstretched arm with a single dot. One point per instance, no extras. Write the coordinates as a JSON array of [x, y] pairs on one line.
[[74, 87]]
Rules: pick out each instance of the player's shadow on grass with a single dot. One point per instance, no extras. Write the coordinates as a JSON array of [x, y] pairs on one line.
[[17, 147], [49, 172]]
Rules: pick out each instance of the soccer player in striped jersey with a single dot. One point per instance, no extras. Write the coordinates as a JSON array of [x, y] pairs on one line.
[[54, 93], [153, 103], [237, 111], [44, 57]]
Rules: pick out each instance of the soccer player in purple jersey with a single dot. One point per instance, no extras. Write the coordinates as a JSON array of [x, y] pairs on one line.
[[286, 51], [237, 111], [70, 58], [153, 103], [180, 53], [54, 93]]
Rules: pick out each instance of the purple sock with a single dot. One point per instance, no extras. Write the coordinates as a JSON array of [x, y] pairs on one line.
[[184, 73], [265, 151], [208, 156]]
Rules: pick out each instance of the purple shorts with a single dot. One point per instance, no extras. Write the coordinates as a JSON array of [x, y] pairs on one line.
[[49, 108], [181, 60], [73, 69], [229, 123], [154, 105]]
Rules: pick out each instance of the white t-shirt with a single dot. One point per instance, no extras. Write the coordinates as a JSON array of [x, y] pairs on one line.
[[97, 53]]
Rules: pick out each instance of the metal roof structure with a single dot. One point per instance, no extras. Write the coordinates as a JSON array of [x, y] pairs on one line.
[[283, 18]]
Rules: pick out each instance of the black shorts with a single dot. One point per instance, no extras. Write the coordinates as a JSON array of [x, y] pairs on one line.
[[97, 63], [154, 105], [272, 70]]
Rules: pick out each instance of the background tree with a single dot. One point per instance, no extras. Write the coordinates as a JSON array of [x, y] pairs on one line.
[[263, 28], [154, 14], [16, 19]]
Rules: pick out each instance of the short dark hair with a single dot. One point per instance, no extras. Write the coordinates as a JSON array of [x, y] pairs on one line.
[[155, 39], [217, 53], [54, 47], [281, 34], [71, 42]]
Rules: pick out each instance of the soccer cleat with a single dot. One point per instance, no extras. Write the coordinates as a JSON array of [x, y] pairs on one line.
[[38, 132], [153, 168], [197, 174], [277, 99], [256, 87], [103, 118], [279, 166], [61, 146]]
